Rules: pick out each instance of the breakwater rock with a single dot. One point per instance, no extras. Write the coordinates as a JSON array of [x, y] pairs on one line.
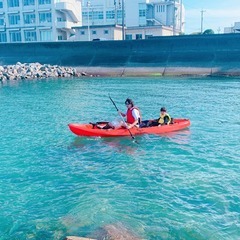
[[35, 70]]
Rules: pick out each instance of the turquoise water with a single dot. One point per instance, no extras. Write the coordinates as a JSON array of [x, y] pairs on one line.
[[184, 185]]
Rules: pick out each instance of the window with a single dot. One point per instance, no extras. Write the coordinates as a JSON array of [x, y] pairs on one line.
[[86, 15], [98, 15], [138, 36], [106, 31], [60, 38], [128, 36], [45, 17], [94, 32], [15, 36], [60, 19], [1, 4], [42, 2], [142, 13], [3, 37], [119, 17], [160, 8], [2, 22], [30, 36], [110, 14], [148, 36], [119, 14], [29, 18], [28, 2], [82, 32], [14, 19], [13, 3], [46, 35]]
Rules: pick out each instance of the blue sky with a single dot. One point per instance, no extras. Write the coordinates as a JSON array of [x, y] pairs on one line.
[[218, 14]]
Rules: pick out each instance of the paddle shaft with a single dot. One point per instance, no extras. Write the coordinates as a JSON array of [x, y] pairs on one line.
[[121, 117]]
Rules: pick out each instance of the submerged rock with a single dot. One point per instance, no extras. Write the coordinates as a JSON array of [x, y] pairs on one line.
[[119, 232], [114, 232], [77, 238]]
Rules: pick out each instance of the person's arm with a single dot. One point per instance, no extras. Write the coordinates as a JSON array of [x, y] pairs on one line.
[[133, 124], [123, 114], [167, 120]]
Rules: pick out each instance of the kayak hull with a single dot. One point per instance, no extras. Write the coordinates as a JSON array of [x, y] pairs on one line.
[[88, 130]]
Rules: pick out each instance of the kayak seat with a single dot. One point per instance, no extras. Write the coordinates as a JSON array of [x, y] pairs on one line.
[[93, 125]]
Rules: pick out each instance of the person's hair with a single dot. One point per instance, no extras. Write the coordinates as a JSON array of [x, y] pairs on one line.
[[163, 109], [129, 101]]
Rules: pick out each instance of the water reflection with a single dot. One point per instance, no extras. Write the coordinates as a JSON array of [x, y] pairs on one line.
[[182, 137], [126, 145], [120, 145], [179, 137], [9, 83]]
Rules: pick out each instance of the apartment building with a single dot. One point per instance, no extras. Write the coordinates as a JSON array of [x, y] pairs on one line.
[[142, 18], [38, 20]]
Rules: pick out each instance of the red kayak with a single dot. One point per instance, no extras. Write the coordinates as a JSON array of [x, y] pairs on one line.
[[90, 130]]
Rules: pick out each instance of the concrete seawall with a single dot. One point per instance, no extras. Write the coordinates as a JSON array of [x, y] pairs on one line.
[[182, 55]]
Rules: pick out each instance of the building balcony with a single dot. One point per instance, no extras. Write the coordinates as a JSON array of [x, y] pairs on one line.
[[69, 8], [64, 25], [154, 22]]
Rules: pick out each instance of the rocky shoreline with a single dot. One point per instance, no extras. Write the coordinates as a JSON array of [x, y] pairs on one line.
[[21, 71]]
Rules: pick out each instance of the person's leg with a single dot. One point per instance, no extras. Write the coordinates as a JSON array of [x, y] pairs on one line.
[[108, 126], [153, 123], [144, 124]]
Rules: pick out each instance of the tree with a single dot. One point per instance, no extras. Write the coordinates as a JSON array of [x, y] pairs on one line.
[[208, 31]]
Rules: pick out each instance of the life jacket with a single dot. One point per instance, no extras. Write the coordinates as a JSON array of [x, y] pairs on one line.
[[166, 119], [130, 118]]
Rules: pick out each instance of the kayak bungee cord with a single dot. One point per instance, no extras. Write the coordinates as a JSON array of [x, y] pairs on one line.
[[133, 138]]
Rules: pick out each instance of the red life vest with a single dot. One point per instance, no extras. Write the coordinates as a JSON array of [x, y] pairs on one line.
[[130, 118]]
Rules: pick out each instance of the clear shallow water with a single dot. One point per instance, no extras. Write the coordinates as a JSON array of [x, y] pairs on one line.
[[183, 185]]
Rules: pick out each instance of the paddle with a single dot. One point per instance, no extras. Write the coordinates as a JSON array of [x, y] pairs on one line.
[[133, 138]]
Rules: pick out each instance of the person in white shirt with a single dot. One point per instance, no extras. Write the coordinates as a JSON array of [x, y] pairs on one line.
[[133, 116]]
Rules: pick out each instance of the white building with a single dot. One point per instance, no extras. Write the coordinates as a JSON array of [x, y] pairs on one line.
[[101, 12], [146, 32], [233, 29], [170, 13], [98, 32], [150, 17], [38, 20]]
